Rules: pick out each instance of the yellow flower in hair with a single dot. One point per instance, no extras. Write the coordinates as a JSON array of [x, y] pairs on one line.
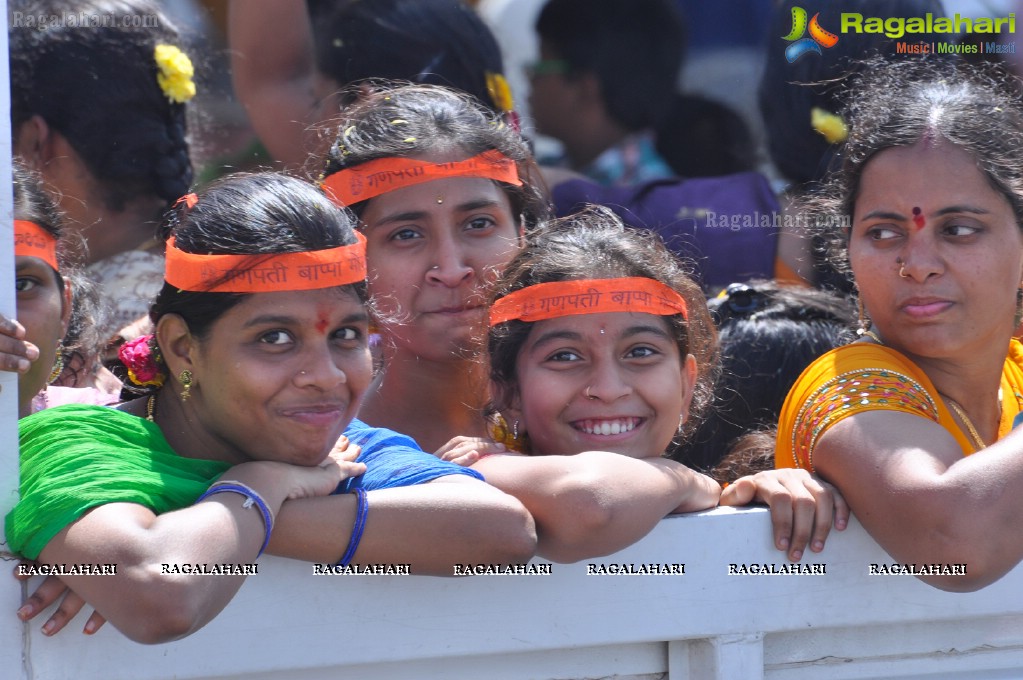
[[175, 73], [828, 124], [500, 93]]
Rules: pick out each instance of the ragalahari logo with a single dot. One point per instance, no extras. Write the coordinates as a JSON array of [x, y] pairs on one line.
[[818, 36]]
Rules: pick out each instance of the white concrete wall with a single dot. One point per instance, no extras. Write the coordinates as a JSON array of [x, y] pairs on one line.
[[287, 623]]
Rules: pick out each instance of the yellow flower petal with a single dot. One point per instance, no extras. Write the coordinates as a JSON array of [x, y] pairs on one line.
[[828, 124]]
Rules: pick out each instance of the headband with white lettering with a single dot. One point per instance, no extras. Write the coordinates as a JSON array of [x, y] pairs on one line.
[[588, 296]]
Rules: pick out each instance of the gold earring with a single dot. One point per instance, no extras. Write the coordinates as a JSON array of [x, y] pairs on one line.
[[58, 368], [861, 312], [185, 378]]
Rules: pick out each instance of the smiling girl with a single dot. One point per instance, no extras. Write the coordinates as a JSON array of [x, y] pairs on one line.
[[601, 353], [258, 365]]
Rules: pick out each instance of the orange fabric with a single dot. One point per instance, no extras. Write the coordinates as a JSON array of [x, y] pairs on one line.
[[868, 377], [783, 273], [363, 182], [588, 296], [31, 240], [266, 273]]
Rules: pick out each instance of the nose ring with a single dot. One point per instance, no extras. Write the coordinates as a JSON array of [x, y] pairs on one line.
[[587, 394], [902, 267]]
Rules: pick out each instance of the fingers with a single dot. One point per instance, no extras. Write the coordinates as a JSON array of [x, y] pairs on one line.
[[742, 491], [12, 328], [823, 514], [465, 451], [350, 469], [69, 607], [15, 354], [342, 458], [24, 574], [842, 510], [467, 459], [94, 623], [46, 594], [343, 451], [802, 510]]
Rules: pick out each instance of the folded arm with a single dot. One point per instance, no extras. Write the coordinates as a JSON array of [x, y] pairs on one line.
[[596, 503], [146, 599], [909, 484], [452, 520]]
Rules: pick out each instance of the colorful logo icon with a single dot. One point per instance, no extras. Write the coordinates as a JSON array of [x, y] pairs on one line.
[[818, 36]]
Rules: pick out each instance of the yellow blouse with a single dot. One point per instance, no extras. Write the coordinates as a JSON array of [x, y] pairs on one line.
[[868, 377]]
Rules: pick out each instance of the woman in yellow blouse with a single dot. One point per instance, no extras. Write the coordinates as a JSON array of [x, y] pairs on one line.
[[932, 181]]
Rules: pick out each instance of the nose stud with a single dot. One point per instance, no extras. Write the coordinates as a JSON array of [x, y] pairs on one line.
[[902, 267], [587, 394]]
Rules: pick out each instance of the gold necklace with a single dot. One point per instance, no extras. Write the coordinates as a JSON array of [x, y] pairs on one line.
[[959, 410], [151, 408], [977, 441]]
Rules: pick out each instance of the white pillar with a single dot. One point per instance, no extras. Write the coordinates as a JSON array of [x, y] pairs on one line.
[[13, 654]]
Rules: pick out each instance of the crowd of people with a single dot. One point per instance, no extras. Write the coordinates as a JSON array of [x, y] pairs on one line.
[[416, 342]]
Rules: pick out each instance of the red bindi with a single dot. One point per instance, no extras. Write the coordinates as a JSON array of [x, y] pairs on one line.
[[321, 322], [918, 218]]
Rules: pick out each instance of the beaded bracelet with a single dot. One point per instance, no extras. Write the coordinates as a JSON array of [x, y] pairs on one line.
[[360, 524], [251, 498]]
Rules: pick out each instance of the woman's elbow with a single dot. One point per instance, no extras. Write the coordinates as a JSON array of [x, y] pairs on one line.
[[507, 532], [580, 527], [162, 610], [152, 624]]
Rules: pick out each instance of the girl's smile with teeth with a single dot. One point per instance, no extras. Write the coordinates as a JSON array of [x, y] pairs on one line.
[[607, 426], [613, 381]]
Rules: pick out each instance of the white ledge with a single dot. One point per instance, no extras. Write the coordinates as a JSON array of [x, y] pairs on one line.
[[287, 623]]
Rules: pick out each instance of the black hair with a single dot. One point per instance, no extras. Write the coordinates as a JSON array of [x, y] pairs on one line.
[[767, 334], [249, 214], [435, 42], [33, 204], [700, 137], [901, 103], [97, 86], [595, 244], [789, 91], [402, 121], [634, 47]]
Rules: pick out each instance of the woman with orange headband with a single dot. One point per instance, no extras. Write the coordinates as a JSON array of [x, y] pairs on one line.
[[259, 363], [601, 353], [444, 192], [45, 343]]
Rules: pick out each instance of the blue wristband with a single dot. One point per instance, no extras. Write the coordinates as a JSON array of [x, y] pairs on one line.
[[252, 498], [360, 523]]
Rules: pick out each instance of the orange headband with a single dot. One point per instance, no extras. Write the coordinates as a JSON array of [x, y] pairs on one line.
[[363, 182], [266, 273], [31, 240], [588, 296]]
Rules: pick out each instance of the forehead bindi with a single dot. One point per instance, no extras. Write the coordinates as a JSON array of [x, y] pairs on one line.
[[918, 217]]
